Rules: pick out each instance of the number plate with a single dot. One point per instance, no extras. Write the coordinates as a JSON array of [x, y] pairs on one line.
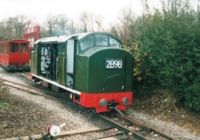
[[114, 64]]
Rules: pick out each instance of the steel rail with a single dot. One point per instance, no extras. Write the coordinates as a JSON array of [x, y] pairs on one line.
[[61, 135], [23, 85], [146, 127], [137, 135], [30, 89], [120, 136]]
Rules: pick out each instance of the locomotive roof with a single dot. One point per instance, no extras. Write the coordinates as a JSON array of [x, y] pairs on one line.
[[64, 38], [97, 49]]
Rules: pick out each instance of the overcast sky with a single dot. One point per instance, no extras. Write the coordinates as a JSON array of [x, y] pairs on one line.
[[38, 10]]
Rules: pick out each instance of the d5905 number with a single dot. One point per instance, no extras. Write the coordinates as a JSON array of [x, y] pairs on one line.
[[114, 64]]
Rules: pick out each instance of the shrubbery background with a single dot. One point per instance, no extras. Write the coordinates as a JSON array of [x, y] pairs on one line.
[[166, 47]]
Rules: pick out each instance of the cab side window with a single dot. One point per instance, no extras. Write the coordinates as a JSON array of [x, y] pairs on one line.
[[114, 43]]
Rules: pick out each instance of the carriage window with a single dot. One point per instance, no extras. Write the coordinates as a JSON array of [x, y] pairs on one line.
[[1, 48], [101, 40], [14, 47], [87, 43], [5, 49], [114, 43], [23, 47]]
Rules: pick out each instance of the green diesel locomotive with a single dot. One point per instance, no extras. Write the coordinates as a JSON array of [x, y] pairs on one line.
[[91, 66]]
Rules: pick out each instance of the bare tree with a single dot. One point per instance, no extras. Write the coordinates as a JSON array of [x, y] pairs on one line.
[[84, 20], [62, 23], [91, 22], [145, 7], [72, 28], [99, 23], [13, 28], [124, 25], [51, 25], [20, 23]]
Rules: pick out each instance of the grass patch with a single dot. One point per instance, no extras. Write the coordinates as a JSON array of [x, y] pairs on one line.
[[4, 90], [4, 104]]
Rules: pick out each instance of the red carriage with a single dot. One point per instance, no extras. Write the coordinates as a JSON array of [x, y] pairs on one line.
[[15, 55]]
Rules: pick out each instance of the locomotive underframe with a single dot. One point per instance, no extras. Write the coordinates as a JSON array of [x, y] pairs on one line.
[[95, 100]]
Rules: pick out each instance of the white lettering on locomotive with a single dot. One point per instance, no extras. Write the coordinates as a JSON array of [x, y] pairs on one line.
[[114, 64]]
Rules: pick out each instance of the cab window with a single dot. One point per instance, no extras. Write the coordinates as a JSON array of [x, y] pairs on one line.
[[87, 43], [101, 40], [114, 43]]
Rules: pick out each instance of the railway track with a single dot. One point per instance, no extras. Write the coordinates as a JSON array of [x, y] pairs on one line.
[[135, 128], [127, 128], [68, 134], [30, 89]]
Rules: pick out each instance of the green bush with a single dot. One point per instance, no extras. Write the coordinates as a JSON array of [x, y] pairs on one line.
[[168, 52]]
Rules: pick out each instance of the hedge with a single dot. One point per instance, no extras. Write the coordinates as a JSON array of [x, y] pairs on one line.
[[168, 52]]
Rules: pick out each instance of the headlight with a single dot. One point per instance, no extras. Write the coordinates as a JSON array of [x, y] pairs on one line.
[[103, 102], [125, 100]]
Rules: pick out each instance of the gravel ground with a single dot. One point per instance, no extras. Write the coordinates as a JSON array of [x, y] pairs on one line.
[[74, 119], [19, 117], [81, 119]]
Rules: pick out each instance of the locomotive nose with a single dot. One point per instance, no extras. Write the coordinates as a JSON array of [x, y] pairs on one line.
[[109, 70], [104, 69]]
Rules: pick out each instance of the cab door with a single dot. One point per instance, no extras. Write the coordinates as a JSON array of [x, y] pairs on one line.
[[34, 60], [23, 53], [61, 61], [70, 63], [53, 65]]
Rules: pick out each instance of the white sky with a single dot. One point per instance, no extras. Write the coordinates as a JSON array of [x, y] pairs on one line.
[[38, 10]]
